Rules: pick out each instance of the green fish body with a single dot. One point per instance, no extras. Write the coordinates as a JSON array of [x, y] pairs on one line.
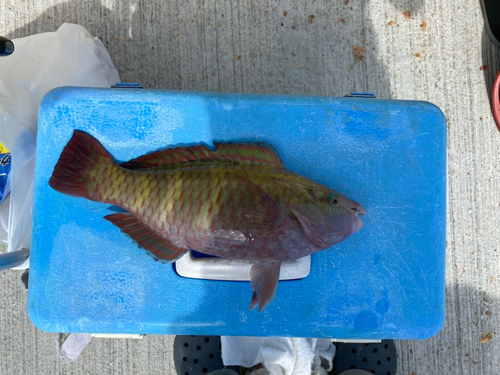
[[237, 202]]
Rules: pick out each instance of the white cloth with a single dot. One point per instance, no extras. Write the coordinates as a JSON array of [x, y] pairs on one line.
[[279, 355], [263, 371]]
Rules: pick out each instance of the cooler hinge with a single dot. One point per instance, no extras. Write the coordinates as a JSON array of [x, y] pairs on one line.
[[368, 95], [126, 86]]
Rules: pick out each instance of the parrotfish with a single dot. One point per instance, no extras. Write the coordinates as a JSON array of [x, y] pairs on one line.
[[237, 202]]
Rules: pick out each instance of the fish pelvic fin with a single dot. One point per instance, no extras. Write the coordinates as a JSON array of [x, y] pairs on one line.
[[79, 158], [264, 279], [156, 246]]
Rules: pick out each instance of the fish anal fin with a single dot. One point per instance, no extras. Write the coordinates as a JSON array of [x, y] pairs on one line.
[[264, 279], [158, 247]]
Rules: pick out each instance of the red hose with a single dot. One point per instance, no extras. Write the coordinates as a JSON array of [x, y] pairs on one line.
[[495, 101]]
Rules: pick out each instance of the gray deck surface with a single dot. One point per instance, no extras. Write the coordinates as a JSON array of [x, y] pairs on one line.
[[305, 47]]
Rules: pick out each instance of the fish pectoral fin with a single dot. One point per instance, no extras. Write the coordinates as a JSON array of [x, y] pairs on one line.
[[309, 231], [264, 279], [158, 247], [261, 212]]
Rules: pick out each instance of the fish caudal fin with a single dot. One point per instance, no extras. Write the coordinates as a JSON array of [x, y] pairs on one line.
[[73, 169], [264, 279], [158, 247]]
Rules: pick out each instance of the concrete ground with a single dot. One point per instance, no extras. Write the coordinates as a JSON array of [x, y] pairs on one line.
[[433, 50]]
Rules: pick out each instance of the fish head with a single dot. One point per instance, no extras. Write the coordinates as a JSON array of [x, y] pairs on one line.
[[329, 218]]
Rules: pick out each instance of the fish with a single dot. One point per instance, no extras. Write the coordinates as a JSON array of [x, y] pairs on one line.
[[236, 202]]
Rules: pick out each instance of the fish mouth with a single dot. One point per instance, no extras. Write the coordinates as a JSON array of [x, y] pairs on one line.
[[358, 210]]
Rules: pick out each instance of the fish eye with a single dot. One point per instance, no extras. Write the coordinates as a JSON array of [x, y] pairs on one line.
[[333, 199]]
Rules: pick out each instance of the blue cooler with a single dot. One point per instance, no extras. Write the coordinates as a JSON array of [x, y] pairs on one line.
[[386, 281]]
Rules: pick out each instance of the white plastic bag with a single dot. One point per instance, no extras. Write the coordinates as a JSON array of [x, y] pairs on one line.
[[68, 57]]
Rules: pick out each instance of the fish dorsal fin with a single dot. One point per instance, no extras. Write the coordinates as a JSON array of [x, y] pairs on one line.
[[170, 158], [252, 153], [225, 153]]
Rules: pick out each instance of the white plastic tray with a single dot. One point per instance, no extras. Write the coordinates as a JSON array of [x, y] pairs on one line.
[[236, 270]]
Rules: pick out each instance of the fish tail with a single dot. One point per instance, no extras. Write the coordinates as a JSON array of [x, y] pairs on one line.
[[79, 162]]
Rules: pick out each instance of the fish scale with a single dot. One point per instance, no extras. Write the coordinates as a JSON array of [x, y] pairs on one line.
[[124, 187], [236, 202]]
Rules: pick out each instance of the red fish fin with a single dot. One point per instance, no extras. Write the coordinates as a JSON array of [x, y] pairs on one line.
[[264, 279], [226, 153], [158, 247], [254, 214], [308, 229], [261, 210], [82, 153], [250, 153], [169, 159]]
